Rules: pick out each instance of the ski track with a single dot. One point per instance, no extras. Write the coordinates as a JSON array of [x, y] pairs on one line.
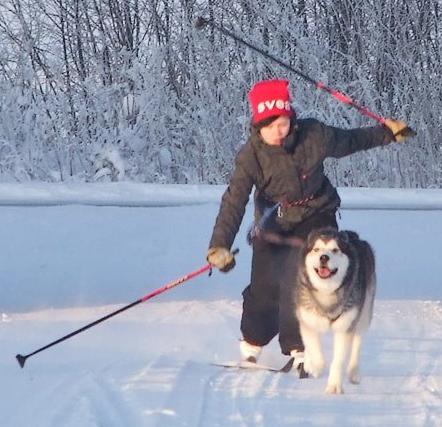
[[156, 389], [80, 399], [91, 402], [401, 367], [411, 397]]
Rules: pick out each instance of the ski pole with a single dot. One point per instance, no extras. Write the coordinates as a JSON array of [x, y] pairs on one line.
[[22, 358], [202, 22]]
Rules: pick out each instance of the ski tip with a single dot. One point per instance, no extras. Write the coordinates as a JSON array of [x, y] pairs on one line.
[[21, 360], [299, 368], [288, 366], [200, 23], [301, 371]]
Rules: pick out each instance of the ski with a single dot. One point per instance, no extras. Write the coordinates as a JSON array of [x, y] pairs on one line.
[[246, 365], [256, 366]]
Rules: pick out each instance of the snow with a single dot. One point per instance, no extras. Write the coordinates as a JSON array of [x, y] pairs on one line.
[[148, 195], [73, 253]]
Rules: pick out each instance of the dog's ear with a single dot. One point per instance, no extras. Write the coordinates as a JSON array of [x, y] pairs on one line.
[[311, 238], [352, 235], [347, 239], [348, 236], [308, 245], [325, 233], [344, 237]]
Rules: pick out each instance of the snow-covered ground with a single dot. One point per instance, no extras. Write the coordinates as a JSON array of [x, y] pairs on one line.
[[64, 262]]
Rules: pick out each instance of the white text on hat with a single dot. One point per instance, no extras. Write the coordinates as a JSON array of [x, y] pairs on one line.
[[280, 104]]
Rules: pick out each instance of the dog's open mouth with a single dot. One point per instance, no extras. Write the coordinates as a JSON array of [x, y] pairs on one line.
[[325, 272]]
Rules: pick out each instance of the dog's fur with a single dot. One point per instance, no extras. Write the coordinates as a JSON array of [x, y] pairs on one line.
[[335, 291]]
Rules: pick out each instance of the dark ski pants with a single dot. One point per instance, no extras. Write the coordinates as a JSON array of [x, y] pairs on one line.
[[268, 307]]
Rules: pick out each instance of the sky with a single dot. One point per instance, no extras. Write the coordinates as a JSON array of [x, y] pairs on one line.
[[73, 253]]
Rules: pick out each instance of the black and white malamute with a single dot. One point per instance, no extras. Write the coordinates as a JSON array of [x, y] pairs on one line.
[[335, 291]]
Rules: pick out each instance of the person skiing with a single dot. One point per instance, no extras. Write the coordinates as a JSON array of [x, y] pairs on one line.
[[283, 160]]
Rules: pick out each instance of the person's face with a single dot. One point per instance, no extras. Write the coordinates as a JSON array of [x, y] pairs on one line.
[[275, 132]]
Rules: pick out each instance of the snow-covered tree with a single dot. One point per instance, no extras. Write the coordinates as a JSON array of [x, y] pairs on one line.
[[93, 89]]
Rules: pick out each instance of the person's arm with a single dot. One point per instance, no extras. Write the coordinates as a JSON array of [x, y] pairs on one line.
[[341, 142], [234, 201]]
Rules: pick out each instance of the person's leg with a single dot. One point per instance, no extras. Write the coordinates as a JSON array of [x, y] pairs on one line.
[[289, 334], [259, 322]]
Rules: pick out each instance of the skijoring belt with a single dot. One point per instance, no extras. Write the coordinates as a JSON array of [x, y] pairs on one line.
[[284, 204], [258, 227]]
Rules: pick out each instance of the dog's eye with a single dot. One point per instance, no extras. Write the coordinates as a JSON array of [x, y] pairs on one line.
[[335, 250], [315, 249]]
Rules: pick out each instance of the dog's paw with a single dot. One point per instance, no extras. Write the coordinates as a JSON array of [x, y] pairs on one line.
[[353, 375], [314, 368], [334, 388]]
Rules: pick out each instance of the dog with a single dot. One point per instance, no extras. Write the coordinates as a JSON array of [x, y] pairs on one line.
[[335, 290]]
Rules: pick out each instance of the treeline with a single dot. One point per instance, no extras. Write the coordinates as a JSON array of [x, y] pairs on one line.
[[128, 89]]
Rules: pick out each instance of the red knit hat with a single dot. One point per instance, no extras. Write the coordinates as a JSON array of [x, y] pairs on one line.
[[270, 98]]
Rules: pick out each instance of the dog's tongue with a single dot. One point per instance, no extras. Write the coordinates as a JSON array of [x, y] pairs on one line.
[[324, 272]]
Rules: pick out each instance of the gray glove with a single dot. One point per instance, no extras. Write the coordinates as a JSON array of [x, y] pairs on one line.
[[221, 258]]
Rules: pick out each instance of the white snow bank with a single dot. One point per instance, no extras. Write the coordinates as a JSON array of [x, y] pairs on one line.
[[147, 195], [108, 194]]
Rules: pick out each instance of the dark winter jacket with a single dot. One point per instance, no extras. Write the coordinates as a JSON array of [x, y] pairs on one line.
[[292, 174]]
